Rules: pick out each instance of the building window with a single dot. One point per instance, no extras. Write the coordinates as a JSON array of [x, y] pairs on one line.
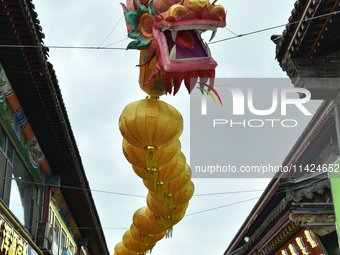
[[17, 189], [64, 239]]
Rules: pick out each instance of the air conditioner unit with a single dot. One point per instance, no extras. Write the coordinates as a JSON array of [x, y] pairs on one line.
[[46, 235]]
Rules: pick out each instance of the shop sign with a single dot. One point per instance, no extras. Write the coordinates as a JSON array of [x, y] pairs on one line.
[[305, 242], [11, 242]]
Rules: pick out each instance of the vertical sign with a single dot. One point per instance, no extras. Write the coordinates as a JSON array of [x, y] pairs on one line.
[[334, 176], [305, 242]]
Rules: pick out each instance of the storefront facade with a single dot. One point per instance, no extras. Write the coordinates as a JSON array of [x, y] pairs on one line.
[[298, 211], [38, 152]]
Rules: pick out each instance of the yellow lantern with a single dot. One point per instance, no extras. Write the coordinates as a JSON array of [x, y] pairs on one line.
[[144, 237], [160, 209], [165, 156], [150, 123], [165, 174], [167, 221], [141, 222], [171, 201], [134, 245], [172, 186], [120, 249]]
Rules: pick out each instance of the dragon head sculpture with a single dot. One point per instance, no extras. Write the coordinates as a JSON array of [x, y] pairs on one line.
[[168, 33]]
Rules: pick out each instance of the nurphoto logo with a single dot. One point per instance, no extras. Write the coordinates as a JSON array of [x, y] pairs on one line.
[[244, 102]]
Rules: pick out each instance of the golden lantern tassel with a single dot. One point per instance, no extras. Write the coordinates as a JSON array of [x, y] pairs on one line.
[[159, 188], [151, 177], [168, 202], [167, 221], [151, 157], [148, 239]]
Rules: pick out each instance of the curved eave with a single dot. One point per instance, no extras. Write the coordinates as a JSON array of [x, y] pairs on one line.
[[312, 30]]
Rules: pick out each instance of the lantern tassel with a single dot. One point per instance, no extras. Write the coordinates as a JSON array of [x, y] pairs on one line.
[[167, 221], [151, 177], [168, 202], [168, 233], [148, 239], [150, 157], [159, 188]]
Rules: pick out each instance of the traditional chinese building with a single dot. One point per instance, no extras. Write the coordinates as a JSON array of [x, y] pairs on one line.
[[46, 206], [297, 212], [299, 201]]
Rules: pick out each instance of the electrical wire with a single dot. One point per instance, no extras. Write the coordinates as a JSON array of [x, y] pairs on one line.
[[140, 196], [222, 206], [271, 28], [61, 47], [126, 38], [228, 192], [191, 214], [90, 190], [115, 48], [111, 31]]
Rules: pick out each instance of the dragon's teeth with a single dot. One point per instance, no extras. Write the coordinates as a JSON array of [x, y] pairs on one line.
[[213, 34], [173, 53], [174, 34]]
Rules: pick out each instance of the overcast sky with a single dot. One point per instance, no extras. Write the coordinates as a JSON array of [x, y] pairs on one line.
[[97, 84]]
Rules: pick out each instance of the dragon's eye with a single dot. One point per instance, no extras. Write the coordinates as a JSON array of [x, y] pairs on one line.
[[145, 23]]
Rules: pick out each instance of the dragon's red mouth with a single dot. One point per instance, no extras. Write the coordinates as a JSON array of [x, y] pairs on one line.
[[182, 48]]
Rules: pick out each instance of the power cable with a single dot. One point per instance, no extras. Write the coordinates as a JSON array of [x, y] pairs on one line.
[[116, 42], [91, 190], [227, 192], [61, 47], [191, 214], [271, 28], [115, 48], [111, 31], [140, 196], [223, 206]]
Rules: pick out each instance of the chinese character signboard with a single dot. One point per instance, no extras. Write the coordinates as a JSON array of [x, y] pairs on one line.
[[11, 243], [305, 242]]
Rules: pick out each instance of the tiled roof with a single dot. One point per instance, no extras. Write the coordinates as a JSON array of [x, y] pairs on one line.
[[311, 30]]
